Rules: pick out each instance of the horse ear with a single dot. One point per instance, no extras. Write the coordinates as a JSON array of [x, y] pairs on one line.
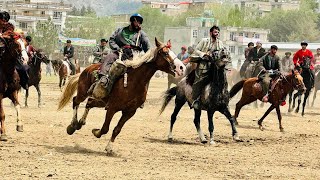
[[158, 43], [169, 43]]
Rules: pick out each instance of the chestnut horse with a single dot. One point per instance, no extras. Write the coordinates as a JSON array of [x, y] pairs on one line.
[[35, 74], [125, 99], [10, 50], [64, 70], [252, 91]]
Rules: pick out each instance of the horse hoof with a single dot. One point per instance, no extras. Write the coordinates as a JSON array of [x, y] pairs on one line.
[[261, 127], [212, 142], [297, 110], [70, 129], [236, 138], [282, 130], [19, 128], [236, 123], [96, 133], [3, 137], [170, 140], [204, 141], [302, 114], [78, 126]]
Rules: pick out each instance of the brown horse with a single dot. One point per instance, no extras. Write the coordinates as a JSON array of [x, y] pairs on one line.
[[10, 51], [253, 91], [126, 99], [35, 74], [64, 71]]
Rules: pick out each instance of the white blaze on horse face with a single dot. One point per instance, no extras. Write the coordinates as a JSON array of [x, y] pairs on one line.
[[180, 68], [23, 51]]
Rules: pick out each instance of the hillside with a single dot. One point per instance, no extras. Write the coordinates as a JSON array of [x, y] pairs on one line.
[[107, 7]]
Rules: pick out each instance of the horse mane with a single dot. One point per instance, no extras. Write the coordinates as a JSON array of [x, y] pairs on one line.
[[139, 58]]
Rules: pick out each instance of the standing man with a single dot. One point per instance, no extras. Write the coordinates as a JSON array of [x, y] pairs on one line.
[[101, 51], [246, 61], [300, 56], [68, 52], [287, 63], [202, 69], [183, 54]]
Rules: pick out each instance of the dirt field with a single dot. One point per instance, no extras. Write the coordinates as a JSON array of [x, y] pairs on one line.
[[142, 152]]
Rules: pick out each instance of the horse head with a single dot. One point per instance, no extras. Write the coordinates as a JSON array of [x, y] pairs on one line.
[[40, 55], [297, 81], [306, 63], [166, 60]]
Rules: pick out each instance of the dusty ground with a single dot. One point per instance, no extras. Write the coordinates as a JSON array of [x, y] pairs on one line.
[[45, 150]]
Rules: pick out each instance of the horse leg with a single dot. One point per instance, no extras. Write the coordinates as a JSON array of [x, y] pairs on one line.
[[105, 127], [211, 126], [74, 125], [290, 101], [299, 102], [14, 99], [60, 82], [3, 136], [243, 101], [90, 104], [39, 94], [225, 110], [314, 96], [26, 98], [264, 116], [126, 115], [179, 102], [279, 118], [197, 115], [306, 95]]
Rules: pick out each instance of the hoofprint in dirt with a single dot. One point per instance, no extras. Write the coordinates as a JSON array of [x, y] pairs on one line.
[[45, 150]]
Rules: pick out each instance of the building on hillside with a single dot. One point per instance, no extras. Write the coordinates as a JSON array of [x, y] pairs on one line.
[[121, 20], [263, 7], [27, 13]]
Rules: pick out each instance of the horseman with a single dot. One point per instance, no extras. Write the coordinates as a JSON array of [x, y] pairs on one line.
[[183, 55], [30, 49], [205, 46], [300, 55], [287, 63], [271, 69], [246, 61], [124, 40], [101, 51], [68, 53], [21, 66], [256, 53]]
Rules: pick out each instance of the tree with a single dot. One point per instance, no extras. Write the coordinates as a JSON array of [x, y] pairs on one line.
[[89, 27], [154, 22], [83, 11], [45, 36]]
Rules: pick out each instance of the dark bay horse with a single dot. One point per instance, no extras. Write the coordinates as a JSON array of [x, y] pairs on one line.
[[125, 99], [35, 73], [63, 69], [10, 51], [214, 97], [252, 91], [308, 81]]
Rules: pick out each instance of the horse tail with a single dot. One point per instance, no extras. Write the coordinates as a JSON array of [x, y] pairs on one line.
[[68, 91], [168, 95], [236, 88]]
